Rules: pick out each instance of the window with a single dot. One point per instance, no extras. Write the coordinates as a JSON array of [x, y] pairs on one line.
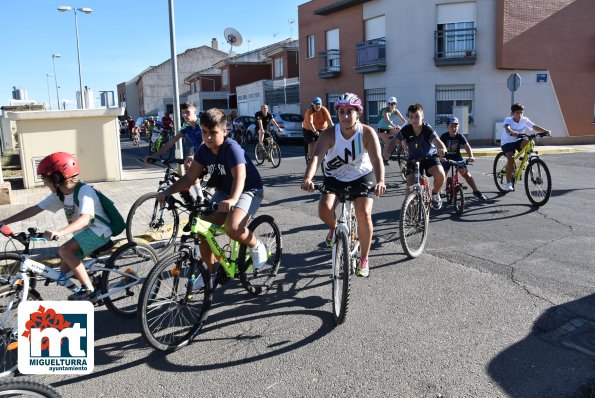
[[311, 48], [278, 67], [455, 29], [330, 101], [224, 78], [375, 101], [451, 95]]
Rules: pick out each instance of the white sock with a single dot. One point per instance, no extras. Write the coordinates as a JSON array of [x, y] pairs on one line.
[[198, 191]]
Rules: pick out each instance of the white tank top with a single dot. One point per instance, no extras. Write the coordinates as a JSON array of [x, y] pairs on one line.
[[348, 160]]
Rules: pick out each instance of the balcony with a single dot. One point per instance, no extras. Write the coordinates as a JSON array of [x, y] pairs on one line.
[[329, 64], [455, 47], [370, 56]]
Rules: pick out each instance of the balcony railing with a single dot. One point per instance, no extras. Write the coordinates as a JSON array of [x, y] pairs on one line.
[[455, 47], [371, 56], [329, 64]]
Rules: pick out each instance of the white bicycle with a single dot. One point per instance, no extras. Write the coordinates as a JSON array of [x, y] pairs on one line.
[[118, 278]]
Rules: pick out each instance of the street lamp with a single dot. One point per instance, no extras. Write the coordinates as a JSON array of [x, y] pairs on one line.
[[54, 56], [47, 76], [78, 51]]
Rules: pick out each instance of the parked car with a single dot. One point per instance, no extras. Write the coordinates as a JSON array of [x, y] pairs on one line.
[[291, 123]]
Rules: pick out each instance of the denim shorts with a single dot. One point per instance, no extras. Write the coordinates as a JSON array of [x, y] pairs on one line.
[[88, 242], [249, 201]]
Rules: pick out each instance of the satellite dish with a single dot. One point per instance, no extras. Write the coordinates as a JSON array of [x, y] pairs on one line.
[[232, 36]]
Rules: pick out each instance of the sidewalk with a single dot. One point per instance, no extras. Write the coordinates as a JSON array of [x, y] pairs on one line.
[[138, 179]]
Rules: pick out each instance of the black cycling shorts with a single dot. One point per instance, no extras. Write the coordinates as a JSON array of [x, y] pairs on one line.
[[368, 180], [424, 164], [309, 136]]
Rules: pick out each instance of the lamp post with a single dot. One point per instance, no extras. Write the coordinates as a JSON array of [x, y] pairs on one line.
[[54, 56], [47, 79], [78, 51]]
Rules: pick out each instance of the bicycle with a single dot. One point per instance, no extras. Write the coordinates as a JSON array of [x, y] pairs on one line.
[[117, 278], [268, 150], [149, 222], [346, 248], [26, 387], [135, 136], [538, 182], [454, 189], [400, 155], [415, 212], [176, 296]]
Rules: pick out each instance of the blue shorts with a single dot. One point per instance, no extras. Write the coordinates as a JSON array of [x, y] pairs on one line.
[[512, 146], [249, 201], [88, 241]]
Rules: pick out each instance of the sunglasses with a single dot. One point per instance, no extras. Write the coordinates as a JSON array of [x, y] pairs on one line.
[[392, 103]]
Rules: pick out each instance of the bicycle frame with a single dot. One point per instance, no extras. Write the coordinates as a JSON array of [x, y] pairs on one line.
[[421, 186], [344, 226], [209, 231]]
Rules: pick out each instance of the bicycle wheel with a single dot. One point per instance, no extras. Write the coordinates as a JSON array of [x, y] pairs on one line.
[[499, 171], [341, 277], [413, 225], [26, 387], [135, 261], [402, 162], [148, 223], [9, 265], [259, 154], [171, 313], [448, 190], [257, 281], [243, 140], [459, 199], [275, 154], [538, 182], [8, 333]]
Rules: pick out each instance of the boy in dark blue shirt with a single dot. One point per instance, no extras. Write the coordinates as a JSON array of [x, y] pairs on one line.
[[453, 142], [237, 183]]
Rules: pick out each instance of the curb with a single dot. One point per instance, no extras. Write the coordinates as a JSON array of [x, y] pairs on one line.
[[494, 152]]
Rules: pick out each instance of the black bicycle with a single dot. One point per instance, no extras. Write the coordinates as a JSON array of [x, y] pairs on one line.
[[26, 387]]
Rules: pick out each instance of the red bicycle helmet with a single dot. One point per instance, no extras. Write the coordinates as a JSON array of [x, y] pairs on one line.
[[349, 99], [59, 163]]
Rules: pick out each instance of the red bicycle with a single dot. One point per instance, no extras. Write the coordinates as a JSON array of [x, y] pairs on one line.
[[454, 188]]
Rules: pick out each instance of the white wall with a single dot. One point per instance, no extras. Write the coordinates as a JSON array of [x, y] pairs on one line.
[[412, 76]]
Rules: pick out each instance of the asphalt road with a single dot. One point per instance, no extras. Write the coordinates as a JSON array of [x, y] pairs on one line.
[[492, 308]]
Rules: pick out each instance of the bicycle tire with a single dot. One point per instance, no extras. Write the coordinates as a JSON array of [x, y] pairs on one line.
[[170, 315], [402, 162], [9, 265], [26, 387], [137, 259], [275, 153], [499, 172], [341, 277], [448, 190], [243, 140], [8, 356], [258, 281], [148, 223], [413, 222], [259, 154], [535, 175], [459, 199]]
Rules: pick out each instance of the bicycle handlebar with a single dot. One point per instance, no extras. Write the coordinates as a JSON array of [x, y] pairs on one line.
[[546, 133], [205, 208], [457, 162], [23, 237]]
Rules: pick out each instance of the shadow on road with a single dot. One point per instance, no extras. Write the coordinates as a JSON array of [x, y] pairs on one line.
[[539, 366]]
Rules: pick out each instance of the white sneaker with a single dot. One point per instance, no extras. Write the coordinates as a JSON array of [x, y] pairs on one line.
[[259, 255], [436, 201], [508, 187]]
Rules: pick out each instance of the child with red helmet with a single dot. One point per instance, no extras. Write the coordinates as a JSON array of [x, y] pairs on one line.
[[60, 173]]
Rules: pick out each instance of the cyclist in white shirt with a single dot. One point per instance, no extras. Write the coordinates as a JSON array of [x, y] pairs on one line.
[[352, 156], [513, 126]]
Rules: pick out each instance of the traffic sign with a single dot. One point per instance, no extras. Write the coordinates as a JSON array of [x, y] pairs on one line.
[[514, 82]]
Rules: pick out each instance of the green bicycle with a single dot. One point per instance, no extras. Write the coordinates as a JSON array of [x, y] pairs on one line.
[[538, 181], [176, 297]]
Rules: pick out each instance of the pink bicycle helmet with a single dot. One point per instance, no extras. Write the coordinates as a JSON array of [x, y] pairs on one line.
[[349, 99], [61, 163]]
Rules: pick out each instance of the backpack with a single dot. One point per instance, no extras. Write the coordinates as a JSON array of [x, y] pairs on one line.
[[116, 221]]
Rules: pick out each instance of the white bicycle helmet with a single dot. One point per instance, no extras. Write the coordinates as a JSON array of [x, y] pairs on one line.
[[349, 99]]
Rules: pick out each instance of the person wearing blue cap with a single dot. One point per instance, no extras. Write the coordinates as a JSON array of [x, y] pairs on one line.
[[453, 141], [316, 119]]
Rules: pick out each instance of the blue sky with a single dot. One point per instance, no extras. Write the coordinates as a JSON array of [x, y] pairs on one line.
[[119, 39]]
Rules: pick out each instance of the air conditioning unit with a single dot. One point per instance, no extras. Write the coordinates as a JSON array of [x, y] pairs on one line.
[[498, 132]]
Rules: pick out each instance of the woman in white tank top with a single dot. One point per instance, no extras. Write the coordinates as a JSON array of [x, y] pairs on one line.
[[352, 156]]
